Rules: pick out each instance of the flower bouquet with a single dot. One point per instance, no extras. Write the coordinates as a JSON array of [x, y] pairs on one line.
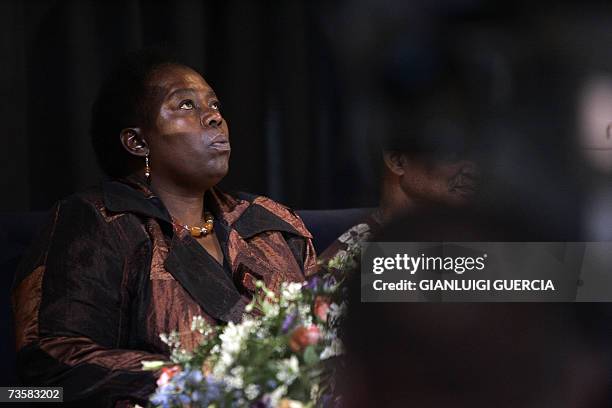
[[279, 355]]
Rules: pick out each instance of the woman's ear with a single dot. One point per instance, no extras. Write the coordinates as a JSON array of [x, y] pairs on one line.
[[133, 142], [395, 162]]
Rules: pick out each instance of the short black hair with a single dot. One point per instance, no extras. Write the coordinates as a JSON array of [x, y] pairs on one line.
[[121, 103]]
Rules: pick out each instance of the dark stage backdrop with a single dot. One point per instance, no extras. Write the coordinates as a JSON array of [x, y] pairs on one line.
[[290, 75], [306, 86]]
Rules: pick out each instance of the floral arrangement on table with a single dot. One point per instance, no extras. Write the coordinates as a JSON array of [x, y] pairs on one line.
[[345, 261], [279, 356]]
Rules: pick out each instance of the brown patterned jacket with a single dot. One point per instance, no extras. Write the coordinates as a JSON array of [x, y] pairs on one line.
[[109, 273]]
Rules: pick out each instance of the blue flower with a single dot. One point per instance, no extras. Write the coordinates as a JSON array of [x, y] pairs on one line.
[[197, 396], [329, 283], [184, 399], [326, 401], [288, 322], [213, 389], [163, 397], [194, 377], [313, 283]]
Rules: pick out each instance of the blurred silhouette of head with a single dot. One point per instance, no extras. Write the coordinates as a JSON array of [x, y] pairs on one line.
[[433, 127], [490, 95], [595, 122]]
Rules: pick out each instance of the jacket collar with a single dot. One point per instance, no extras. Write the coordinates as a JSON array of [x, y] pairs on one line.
[[212, 288], [128, 195], [240, 212]]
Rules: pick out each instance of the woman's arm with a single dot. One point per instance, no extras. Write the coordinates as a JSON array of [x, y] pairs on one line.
[[71, 303]]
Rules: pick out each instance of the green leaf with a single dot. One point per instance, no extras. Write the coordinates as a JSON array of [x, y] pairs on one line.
[[310, 356], [153, 365]]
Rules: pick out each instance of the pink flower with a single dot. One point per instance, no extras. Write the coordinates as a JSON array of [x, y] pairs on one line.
[[167, 374], [321, 307], [303, 337]]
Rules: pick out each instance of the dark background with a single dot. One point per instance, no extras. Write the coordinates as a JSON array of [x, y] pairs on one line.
[[307, 87], [287, 87]]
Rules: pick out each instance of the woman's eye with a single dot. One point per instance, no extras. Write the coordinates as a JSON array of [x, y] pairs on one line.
[[216, 105], [187, 105]]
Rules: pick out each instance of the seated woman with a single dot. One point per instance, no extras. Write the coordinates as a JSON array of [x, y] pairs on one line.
[[147, 251], [429, 154], [417, 178]]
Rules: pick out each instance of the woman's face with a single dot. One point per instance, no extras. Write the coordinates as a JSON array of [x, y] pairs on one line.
[[452, 183], [188, 138]]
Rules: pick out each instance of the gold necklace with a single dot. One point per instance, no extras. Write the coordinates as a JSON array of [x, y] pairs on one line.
[[202, 231]]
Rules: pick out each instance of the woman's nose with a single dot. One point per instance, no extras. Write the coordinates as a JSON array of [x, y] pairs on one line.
[[470, 169], [213, 119]]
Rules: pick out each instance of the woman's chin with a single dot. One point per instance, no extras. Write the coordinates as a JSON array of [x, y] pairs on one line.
[[214, 176], [202, 177]]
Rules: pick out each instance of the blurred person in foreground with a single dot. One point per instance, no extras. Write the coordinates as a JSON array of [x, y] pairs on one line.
[[594, 104], [472, 355], [469, 355], [510, 355], [152, 248]]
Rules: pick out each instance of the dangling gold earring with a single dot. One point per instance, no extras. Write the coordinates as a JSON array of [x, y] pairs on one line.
[[147, 169]]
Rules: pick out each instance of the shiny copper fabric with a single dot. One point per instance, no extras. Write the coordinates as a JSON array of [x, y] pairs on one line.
[[110, 273]]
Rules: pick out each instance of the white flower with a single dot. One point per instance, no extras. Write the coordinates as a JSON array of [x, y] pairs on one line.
[[288, 370], [234, 335], [314, 391], [277, 394], [173, 340], [235, 378], [355, 235], [251, 391], [232, 341], [223, 363], [273, 311], [305, 314], [291, 291], [336, 348], [180, 355], [341, 256], [198, 323], [335, 312]]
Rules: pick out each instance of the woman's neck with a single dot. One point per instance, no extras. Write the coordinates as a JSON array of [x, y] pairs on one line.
[[394, 202], [185, 207]]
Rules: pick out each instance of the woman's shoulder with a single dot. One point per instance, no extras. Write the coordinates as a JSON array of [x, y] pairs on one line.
[[96, 210], [262, 211], [277, 208], [88, 201], [76, 224]]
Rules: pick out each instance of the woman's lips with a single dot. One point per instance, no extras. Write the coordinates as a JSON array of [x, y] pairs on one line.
[[465, 183], [220, 142], [465, 189], [222, 145]]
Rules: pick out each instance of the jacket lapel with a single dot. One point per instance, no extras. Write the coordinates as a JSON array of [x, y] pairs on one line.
[[238, 220], [252, 257], [257, 219], [204, 279]]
